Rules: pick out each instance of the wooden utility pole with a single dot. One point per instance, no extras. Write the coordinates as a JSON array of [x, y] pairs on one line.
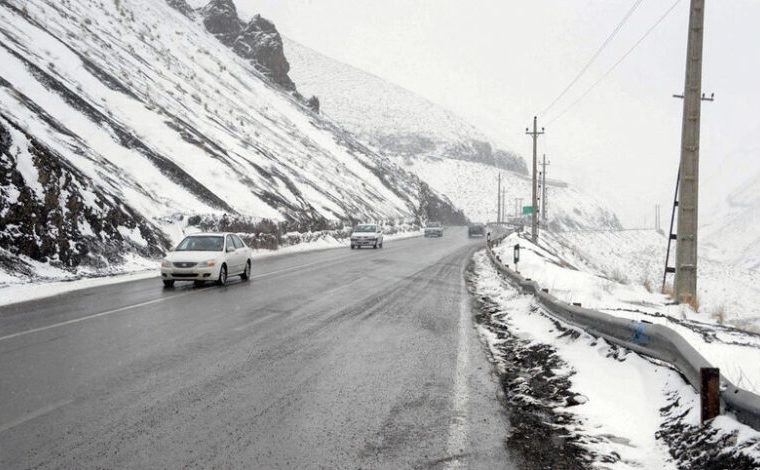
[[688, 195], [534, 211], [544, 164], [498, 201]]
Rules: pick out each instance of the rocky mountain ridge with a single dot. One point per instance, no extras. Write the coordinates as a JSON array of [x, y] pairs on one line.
[[121, 120]]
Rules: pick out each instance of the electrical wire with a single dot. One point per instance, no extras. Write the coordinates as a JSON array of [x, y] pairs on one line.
[[609, 39], [614, 66]]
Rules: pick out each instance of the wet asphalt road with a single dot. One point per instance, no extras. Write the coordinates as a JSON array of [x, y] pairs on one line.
[[330, 359]]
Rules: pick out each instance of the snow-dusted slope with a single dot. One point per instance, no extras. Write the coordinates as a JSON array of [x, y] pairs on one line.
[[389, 117], [732, 234], [442, 149], [472, 187], [118, 118]]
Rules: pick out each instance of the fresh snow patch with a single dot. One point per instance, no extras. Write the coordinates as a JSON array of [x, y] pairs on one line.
[[609, 276], [629, 412]]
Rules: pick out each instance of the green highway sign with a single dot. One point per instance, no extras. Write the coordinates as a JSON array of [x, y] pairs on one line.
[[527, 210]]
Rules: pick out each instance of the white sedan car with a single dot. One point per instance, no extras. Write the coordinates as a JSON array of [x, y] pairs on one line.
[[207, 257], [367, 235]]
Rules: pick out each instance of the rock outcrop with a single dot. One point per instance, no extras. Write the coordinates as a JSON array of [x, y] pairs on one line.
[[54, 214], [258, 40], [313, 104], [181, 6], [262, 44], [221, 19], [481, 152]]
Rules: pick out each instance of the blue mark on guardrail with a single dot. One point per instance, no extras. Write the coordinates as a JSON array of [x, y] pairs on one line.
[[639, 333]]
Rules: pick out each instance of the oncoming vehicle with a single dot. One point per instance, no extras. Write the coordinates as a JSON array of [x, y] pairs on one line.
[[367, 235], [476, 230], [207, 257], [434, 229]]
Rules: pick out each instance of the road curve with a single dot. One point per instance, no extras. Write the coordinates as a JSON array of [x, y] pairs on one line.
[[329, 359]]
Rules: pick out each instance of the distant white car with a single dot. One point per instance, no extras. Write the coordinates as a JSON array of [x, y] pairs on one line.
[[367, 235], [434, 229], [207, 257]]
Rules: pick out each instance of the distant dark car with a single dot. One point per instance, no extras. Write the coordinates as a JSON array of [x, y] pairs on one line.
[[476, 230], [434, 229]]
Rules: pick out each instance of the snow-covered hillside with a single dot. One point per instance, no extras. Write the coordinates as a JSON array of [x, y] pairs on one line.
[[732, 231], [472, 187], [388, 117], [120, 119], [448, 153]]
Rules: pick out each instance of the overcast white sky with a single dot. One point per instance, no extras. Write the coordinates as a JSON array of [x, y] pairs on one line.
[[499, 62]]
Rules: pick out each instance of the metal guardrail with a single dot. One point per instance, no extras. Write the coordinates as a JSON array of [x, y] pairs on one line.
[[653, 340]]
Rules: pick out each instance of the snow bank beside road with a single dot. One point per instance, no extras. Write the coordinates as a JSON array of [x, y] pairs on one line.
[[623, 410], [604, 281], [611, 408]]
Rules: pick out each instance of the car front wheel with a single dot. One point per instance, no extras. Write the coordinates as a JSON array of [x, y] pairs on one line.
[[222, 275], [246, 272], [168, 283]]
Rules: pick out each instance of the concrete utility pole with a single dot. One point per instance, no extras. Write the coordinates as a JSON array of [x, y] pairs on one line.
[[504, 205], [657, 225], [688, 196], [498, 201], [534, 215], [544, 164]]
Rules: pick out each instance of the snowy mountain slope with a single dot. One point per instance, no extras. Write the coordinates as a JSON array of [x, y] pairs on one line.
[[473, 187], [440, 148], [732, 234], [119, 118], [388, 117]]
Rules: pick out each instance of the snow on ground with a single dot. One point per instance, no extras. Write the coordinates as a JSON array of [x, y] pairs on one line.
[[608, 271], [57, 281], [727, 292], [625, 410], [621, 396]]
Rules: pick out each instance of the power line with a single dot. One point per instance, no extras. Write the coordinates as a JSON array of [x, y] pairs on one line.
[[611, 69], [596, 54]]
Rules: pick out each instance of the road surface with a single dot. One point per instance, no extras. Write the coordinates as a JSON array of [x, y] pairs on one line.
[[329, 359]]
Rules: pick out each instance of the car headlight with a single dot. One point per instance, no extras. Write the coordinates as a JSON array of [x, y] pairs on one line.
[[166, 263], [207, 264]]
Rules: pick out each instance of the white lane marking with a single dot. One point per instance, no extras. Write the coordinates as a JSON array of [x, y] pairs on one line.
[[149, 302], [458, 428], [90, 317], [34, 414]]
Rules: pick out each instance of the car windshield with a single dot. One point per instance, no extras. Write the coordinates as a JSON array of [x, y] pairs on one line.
[[434, 224], [366, 228], [201, 243]]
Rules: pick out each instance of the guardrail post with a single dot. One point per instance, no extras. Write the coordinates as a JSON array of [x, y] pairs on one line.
[[709, 392]]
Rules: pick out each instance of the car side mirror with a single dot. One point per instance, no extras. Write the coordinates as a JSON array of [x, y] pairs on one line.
[[230, 249]]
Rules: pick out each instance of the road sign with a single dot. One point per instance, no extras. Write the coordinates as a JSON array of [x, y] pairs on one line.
[[527, 210]]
